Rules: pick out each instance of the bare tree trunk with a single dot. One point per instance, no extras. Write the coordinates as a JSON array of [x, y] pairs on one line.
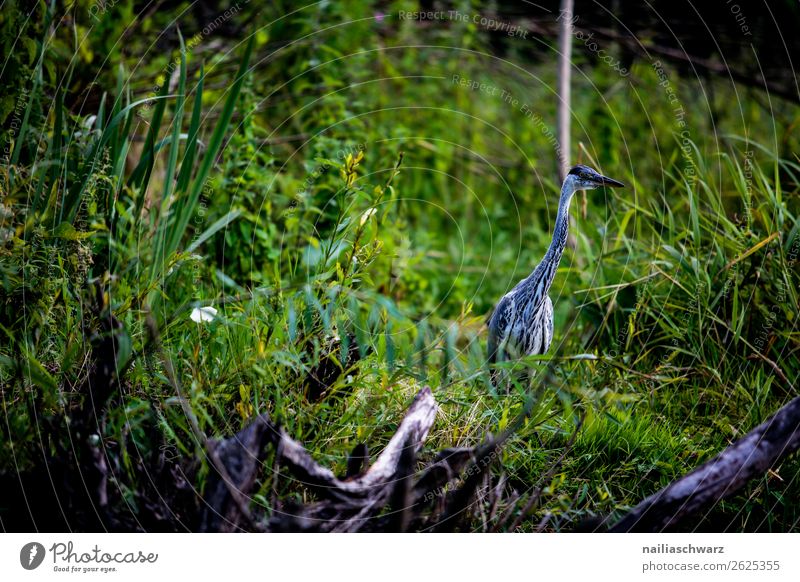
[[564, 77]]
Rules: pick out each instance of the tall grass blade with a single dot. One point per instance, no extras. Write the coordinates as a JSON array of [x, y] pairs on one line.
[[186, 209], [163, 217]]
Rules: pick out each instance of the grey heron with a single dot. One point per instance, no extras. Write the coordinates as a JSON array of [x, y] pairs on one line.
[[522, 321]]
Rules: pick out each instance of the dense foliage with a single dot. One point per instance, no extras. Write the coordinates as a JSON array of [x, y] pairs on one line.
[[351, 191]]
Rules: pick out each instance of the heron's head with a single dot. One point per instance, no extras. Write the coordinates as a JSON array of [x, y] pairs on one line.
[[585, 178]]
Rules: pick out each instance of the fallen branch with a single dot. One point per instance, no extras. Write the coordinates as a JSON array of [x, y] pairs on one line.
[[349, 503], [750, 457], [237, 460]]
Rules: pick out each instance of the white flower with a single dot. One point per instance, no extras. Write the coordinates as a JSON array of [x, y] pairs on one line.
[[203, 314]]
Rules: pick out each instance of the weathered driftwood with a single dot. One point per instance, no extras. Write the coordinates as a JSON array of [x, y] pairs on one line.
[[392, 495], [749, 457], [241, 455], [389, 495], [411, 433], [351, 503]]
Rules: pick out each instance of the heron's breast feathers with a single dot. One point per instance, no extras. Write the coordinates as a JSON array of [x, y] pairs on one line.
[[523, 322]]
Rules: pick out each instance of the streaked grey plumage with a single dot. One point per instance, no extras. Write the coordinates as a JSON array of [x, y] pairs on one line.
[[522, 322]]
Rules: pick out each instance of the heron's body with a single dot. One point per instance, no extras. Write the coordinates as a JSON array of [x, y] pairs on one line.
[[522, 322]]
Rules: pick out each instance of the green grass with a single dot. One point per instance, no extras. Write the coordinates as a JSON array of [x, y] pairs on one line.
[[683, 286]]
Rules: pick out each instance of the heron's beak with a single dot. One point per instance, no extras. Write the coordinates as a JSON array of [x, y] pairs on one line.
[[606, 181]]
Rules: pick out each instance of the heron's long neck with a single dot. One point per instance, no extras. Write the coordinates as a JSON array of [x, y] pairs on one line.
[[552, 257]]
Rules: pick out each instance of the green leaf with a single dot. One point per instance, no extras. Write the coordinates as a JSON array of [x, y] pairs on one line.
[[36, 374], [163, 226], [72, 201], [124, 350], [141, 174], [187, 163], [66, 231], [213, 229]]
